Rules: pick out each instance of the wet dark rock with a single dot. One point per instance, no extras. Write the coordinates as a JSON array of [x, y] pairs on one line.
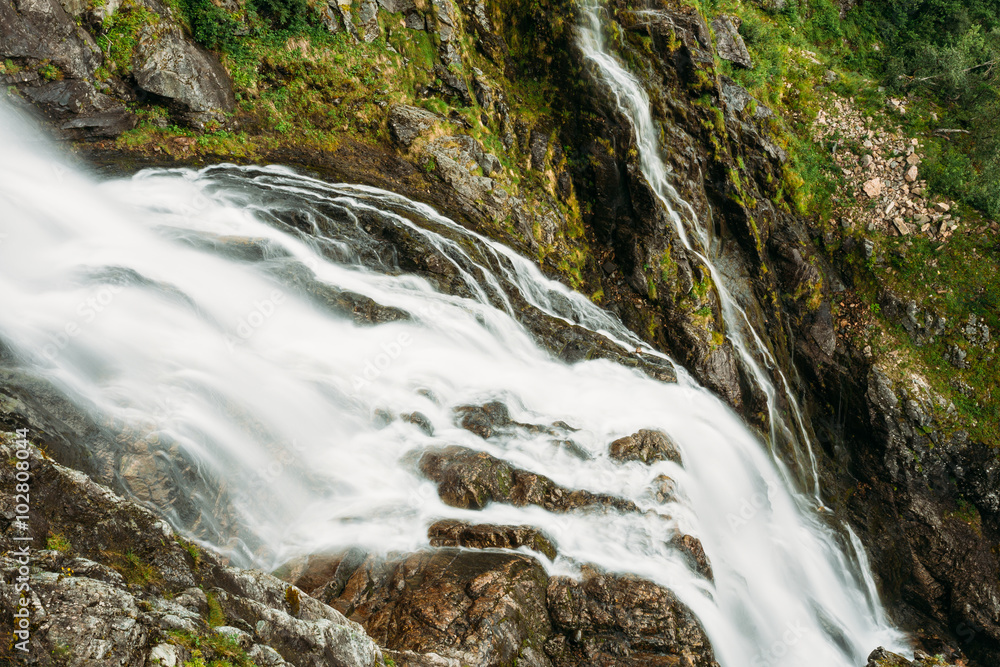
[[485, 420], [453, 85], [454, 533], [939, 570], [883, 658], [646, 446], [538, 148], [695, 553], [611, 620], [358, 307], [573, 449], [419, 420], [471, 480]]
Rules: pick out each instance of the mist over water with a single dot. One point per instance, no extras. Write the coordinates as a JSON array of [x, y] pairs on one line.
[[178, 307]]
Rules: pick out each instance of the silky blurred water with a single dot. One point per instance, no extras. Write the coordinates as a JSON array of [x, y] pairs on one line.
[[165, 304]]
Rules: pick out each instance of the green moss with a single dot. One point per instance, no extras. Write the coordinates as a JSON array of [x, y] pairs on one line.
[[57, 542], [216, 617], [134, 570]]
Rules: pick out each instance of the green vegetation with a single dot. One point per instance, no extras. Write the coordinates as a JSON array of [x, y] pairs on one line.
[[216, 617], [120, 34], [211, 650], [57, 542], [947, 53], [133, 568], [943, 58]]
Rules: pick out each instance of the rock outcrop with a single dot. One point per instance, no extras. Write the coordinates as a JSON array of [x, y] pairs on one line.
[[471, 480], [190, 78], [57, 64], [115, 586]]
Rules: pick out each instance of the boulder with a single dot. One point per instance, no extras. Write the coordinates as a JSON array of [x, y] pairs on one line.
[[646, 446], [193, 80], [458, 162], [737, 99], [484, 420], [622, 621], [43, 30], [407, 122], [728, 43]]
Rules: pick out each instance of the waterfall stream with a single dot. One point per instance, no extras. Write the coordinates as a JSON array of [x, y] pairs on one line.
[[189, 311], [633, 103]]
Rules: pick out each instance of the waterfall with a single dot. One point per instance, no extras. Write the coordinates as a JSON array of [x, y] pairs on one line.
[[633, 103], [189, 312]]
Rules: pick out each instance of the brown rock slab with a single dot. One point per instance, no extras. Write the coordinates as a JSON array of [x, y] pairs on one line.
[[479, 607], [454, 533], [471, 480]]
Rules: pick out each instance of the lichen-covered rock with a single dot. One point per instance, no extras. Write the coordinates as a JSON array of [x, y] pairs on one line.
[[471, 480], [122, 590], [408, 122], [728, 42], [454, 533], [646, 446], [622, 621], [168, 65], [44, 31], [458, 160]]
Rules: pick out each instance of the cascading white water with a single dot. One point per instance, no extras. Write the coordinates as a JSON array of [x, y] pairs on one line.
[[633, 102], [163, 302]]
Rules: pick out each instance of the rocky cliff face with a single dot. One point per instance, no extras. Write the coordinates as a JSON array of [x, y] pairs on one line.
[[488, 111], [62, 57]]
